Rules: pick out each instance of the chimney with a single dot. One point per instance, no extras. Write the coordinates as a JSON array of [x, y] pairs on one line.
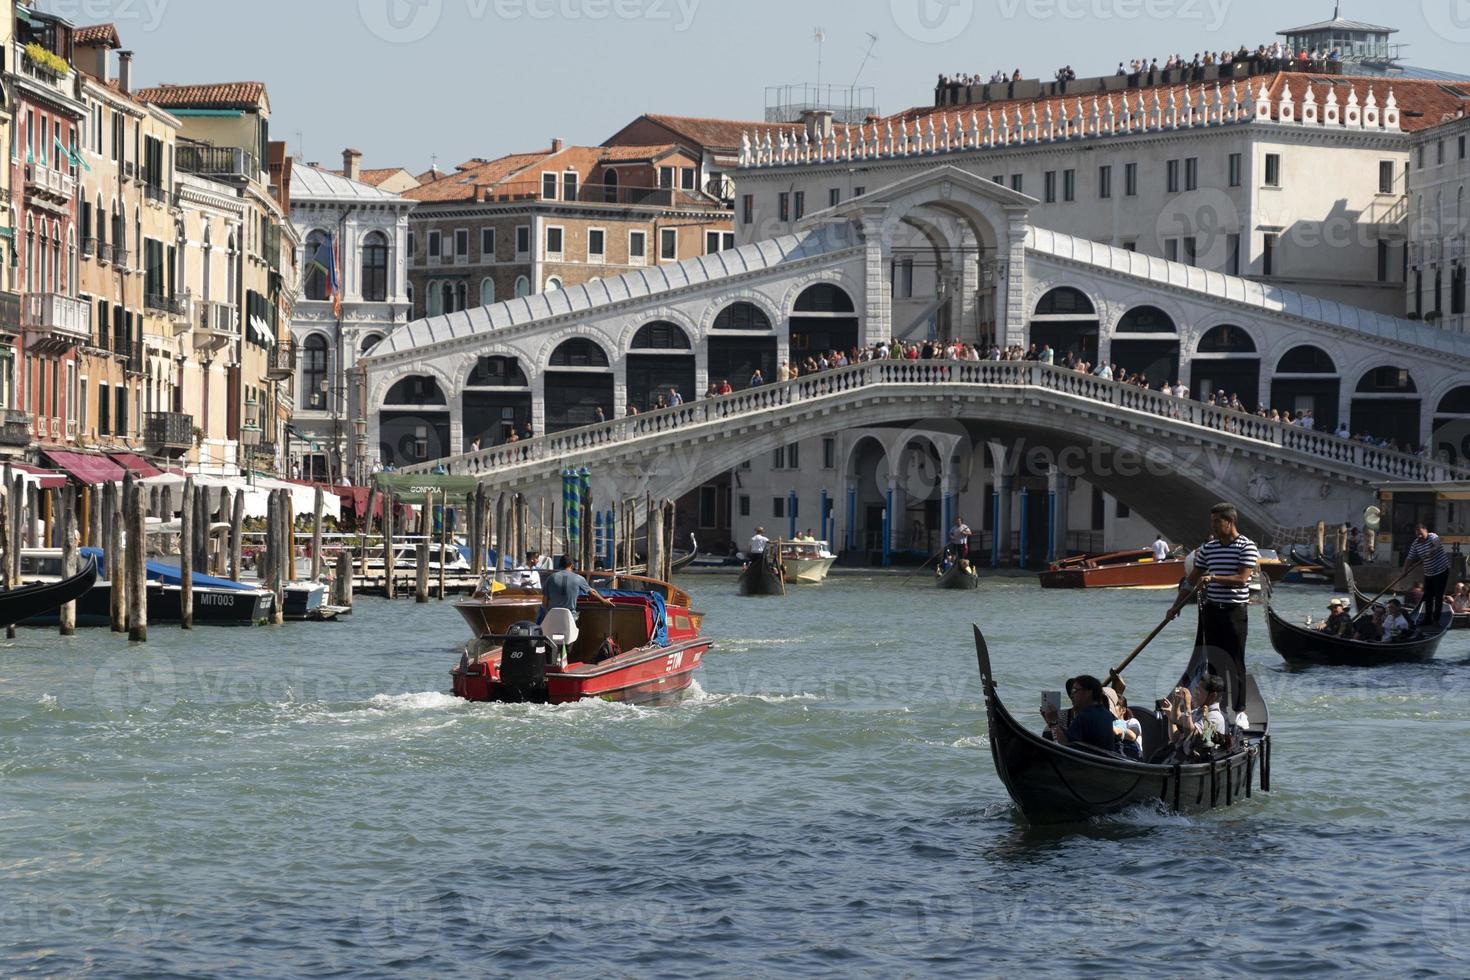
[[125, 71], [352, 164], [556, 145]]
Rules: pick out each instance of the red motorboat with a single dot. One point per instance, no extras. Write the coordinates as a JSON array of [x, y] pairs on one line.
[[1136, 569], [643, 650]]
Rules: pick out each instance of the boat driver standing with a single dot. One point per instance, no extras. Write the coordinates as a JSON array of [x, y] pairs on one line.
[[563, 587], [959, 538], [1224, 566], [758, 541]]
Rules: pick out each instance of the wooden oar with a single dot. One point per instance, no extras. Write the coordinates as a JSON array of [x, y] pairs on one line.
[[1115, 676], [1368, 606], [923, 566]]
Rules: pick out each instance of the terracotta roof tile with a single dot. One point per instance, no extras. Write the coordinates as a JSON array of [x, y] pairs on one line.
[[716, 133], [97, 34], [222, 95], [468, 179], [626, 154]]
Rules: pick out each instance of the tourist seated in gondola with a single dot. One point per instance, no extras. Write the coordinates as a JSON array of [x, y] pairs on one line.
[[1092, 722], [966, 568], [946, 562], [1126, 729], [1194, 731], [1337, 619], [1395, 623], [1369, 627], [1460, 601], [1415, 596]]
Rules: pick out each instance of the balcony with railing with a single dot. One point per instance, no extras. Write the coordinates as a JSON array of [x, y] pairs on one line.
[[282, 361], [120, 257], [215, 325], [104, 252], [15, 427], [155, 194], [217, 161], [54, 322], [89, 247], [49, 183], [157, 302], [168, 433]]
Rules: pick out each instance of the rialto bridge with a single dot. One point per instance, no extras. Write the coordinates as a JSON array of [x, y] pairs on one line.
[[568, 363]]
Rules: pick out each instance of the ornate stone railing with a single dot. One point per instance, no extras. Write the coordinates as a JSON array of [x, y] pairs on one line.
[[1016, 375], [1080, 117]]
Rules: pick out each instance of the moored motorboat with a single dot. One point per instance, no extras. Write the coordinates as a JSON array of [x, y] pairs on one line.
[[1134, 569], [215, 601], [1059, 784], [805, 561], [1272, 565], [763, 574], [1301, 645], [642, 650]]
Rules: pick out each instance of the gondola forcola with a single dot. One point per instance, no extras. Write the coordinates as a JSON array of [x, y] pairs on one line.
[[644, 650], [1061, 784], [1305, 646]]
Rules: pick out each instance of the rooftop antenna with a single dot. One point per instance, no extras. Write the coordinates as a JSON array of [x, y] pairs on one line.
[[819, 36], [300, 146], [867, 55]]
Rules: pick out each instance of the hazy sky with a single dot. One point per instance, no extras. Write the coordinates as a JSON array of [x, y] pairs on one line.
[[407, 80]]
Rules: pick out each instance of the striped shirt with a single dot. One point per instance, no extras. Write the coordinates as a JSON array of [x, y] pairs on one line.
[[1431, 553], [1215, 558]]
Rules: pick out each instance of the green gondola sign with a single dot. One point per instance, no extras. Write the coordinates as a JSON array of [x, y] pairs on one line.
[[410, 488]]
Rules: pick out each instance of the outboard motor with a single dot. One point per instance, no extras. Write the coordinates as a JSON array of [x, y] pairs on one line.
[[523, 663]]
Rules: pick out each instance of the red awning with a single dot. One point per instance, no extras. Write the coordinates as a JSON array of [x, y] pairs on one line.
[[86, 468], [136, 463], [45, 479]]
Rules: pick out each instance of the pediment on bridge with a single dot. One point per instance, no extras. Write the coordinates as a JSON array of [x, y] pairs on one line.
[[942, 184]]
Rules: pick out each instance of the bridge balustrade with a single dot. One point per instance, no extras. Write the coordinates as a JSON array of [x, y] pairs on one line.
[[1003, 374]]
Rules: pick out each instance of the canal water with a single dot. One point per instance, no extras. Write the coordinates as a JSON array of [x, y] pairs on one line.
[[308, 800]]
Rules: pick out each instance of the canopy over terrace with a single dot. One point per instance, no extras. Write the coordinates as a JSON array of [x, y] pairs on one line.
[[257, 492]]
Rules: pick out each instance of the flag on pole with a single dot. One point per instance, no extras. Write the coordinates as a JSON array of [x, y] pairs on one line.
[[336, 279]]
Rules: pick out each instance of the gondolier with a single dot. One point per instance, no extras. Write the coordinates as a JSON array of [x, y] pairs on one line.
[[959, 538], [1224, 565], [1428, 550]]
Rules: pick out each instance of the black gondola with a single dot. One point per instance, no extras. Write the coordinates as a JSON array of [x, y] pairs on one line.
[[1057, 784], [42, 598], [763, 574], [1312, 571], [683, 560], [954, 578], [1460, 621], [1305, 646]]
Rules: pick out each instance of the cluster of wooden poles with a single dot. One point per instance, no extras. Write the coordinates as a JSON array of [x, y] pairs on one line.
[[510, 523], [114, 518]]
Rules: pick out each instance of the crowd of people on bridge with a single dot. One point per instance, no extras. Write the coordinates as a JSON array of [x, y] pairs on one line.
[[1242, 63]]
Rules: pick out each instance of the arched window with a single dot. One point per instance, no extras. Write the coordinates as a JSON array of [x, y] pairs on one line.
[[435, 300], [100, 220], [660, 335], [610, 186], [523, 287], [1306, 359], [824, 298], [375, 267], [1065, 301], [446, 298], [1385, 380], [316, 275], [1457, 402], [461, 295], [416, 389], [408, 287], [579, 352], [553, 283], [1227, 339], [1146, 319], [370, 341], [497, 372], [314, 373], [487, 291], [742, 316]]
